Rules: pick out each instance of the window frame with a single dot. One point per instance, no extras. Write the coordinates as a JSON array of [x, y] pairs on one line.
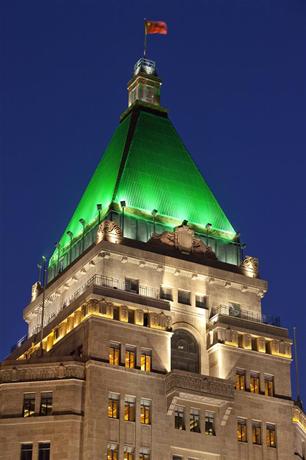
[[163, 295], [146, 360], [113, 406], [194, 421], [42, 450], [179, 418], [182, 300], [31, 408], [145, 411], [271, 441], [46, 408], [27, 451], [114, 353], [242, 430], [256, 433], [129, 414], [210, 429], [255, 383]]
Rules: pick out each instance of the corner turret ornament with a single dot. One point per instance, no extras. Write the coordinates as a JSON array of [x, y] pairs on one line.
[[109, 231], [249, 267], [184, 240]]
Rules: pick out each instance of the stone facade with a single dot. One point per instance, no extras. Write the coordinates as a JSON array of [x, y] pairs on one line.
[[127, 329]]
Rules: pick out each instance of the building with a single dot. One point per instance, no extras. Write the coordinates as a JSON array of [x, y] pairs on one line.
[[154, 345]]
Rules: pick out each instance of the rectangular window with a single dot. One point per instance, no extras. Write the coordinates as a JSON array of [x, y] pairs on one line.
[[256, 433], [194, 422], [200, 301], [145, 361], [145, 411], [44, 451], [179, 418], [269, 385], [144, 454], [240, 380], [177, 457], [132, 285], [113, 405], [166, 293], [29, 404], [210, 423], [114, 354], [184, 297], [26, 451], [254, 383], [271, 435], [128, 453], [242, 430], [129, 408], [46, 402], [130, 357], [112, 452]]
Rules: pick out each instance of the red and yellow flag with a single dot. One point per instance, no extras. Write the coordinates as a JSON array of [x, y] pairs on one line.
[[156, 27]]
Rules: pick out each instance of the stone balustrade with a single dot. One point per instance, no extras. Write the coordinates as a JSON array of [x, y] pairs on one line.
[[299, 417], [33, 372]]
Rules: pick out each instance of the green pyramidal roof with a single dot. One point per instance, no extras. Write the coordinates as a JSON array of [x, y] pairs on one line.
[[147, 165]]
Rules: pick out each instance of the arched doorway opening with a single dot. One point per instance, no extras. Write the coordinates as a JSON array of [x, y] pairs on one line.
[[184, 351]]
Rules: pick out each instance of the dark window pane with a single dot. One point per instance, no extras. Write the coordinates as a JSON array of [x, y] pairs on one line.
[[46, 404], [44, 451], [166, 293], [26, 452], [184, 297], [29, 405]]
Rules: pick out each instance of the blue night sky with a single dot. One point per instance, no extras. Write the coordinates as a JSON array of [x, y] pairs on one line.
[[234, 77]]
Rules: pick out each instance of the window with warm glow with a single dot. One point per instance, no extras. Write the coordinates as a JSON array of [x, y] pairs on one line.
[[271, 435], [210, 423], [145, 361], [112, 452], [145, 412], [26, 451], [254, 383], [29, 404], [194, 421], [240, 380], [256, 433], [269, 386], [113, 405], [179, 418], [114, 354], [130, 358], [242, 430], [129, 409], [128, 454], [46, 404]]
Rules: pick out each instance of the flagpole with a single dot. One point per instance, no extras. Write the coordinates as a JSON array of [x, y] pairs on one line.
[[145, 40]]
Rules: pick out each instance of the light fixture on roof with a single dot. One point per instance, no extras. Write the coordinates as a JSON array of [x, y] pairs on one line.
[[154, 213], [70, 234], [82, 222], [208, 226], [99, 209], [123, 205], [185, 222]]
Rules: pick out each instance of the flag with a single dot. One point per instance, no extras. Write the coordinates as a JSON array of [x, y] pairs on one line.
[[156, 27]]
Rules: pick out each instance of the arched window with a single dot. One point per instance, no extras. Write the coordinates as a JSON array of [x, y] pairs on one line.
[[184, 351]]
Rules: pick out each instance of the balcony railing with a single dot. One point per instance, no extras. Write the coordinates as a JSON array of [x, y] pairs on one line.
[[237, 312], [114, 283]]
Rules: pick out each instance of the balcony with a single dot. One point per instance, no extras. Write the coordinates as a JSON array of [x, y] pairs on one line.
[[236, 311], [191, 386]]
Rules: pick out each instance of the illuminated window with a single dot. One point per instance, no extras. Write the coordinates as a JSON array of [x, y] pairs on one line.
[[46, 404], [184, 297], [256, 433], [130, 358], [201, 301], [179, 418], [240, 380], [210, 423], [145, 412], [254, 383], [146, 361], [113, 405], [271, 435], [114, 354], [129, 408], [43, 451], [144, 454], [194, 421], [29, 404], [112, 452], [269, 385], [242, 430], [166, 293], [26, 451], [128, 453]]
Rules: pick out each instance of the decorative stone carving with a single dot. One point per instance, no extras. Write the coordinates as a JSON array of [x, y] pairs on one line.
[[160, 321], [184, 240], [249, 267], [36, 290], [109, 231], [32, 373]]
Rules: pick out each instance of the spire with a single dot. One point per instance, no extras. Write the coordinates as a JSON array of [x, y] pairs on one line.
[[145, 84]]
